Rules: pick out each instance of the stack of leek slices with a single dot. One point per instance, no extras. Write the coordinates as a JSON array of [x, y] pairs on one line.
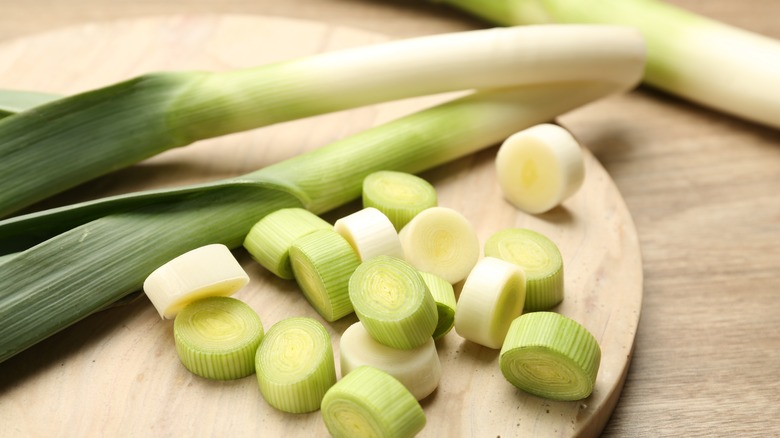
[[396, 264]]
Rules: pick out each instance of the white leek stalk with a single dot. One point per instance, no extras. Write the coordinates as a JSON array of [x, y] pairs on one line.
[[551, 356], [368, 402], [441, 241], [419, 369], [491, 298], [370, 233], [295, 365], [217, 338], [700, 59], [540, 167], [210, 270]]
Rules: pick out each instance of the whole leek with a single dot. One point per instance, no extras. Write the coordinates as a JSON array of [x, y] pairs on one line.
[[116, 126], [708, 62], [91, 255]]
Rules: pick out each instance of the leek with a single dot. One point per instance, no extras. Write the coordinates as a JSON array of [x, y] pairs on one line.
[[540, 167], [697, 58], [400, 196], [217, 338], [369, 402], [419, 369], [549, 355], [441, 241], [121, 124], [210, 270], [117, 242], [295, 366]]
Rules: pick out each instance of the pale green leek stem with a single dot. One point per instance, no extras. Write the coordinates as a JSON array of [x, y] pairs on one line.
[[703, 60]]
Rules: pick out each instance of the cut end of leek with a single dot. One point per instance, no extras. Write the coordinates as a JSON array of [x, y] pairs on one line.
[[368, 402], [370, 233], [444, 295], [323, 262], [540, 167], [418, 369], [399, 195], [441, 241], [393, 302], [210, 270], [491, 298], [270, 239], [295, 365], [217, 338], [541, 260], [551, 356]]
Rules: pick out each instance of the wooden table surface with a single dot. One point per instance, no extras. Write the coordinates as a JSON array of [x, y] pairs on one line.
[[703, 189]]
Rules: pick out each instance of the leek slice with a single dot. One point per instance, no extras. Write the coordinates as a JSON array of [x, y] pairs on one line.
[[491, 298], [323, 262], [270, 239], [210, 270], [549, 355], [399, 195], [441, 241], [418, 369], [295, 365], [540, 167], [444, 295], [368, 402], [370, 233], [217, 338], [540, 259], [393, 302]]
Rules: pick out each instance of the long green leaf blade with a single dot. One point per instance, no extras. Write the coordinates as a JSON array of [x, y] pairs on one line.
[[16, 101]]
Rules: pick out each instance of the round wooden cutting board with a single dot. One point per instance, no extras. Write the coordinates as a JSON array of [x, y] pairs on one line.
[[116, 373]]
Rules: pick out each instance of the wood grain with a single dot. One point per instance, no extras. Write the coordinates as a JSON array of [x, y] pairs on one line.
[[117, 372]]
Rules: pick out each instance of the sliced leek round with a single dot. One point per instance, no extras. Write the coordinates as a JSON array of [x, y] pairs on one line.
[[210, 270], [368, 402], [295, 365], [370, 233], [444, 295], [322, 263], [540, 167], [491, 298], [540, 259], [399, 195], [217, 338], [441, 241], [549, 355], [393, 302], [269, 240], [419, 369]]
